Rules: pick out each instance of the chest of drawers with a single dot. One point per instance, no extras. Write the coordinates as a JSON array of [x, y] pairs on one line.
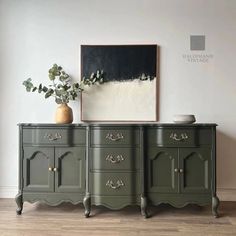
[[116, 165], [114, 172]]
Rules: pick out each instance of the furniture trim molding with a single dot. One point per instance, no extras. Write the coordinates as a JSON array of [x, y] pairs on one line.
[[224, 194]]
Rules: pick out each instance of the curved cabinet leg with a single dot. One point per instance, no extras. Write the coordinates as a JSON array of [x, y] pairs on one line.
[[144, 206], [19, 202], [215, 205], [87, 205]]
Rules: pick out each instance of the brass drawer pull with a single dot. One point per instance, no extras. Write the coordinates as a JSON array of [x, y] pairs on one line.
[[50, 168], [52, 137], [110, 184], [114, 137], [115, 160], [182, 137]]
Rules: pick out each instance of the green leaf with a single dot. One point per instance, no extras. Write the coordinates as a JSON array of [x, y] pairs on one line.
[[28, 84], [51, 76], [26, 81], [58, 100], [49, 93], [40, 88], [62, 78], [58, 92], [76, 85], [66, 87], [59, 86], [34, 89], [45, 89]]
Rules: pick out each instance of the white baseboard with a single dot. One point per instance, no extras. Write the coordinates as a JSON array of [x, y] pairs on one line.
[[8, 191], [226, 194], [223, 193]]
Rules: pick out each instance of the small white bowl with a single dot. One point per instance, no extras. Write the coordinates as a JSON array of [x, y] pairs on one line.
[[184, 119]]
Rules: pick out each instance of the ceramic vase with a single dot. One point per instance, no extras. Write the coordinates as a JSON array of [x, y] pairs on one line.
[[64, 114]]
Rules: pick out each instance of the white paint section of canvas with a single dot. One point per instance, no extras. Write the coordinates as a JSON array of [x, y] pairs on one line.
[[120, 101]]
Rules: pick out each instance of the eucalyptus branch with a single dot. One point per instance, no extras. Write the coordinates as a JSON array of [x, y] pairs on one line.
[[61, 88]]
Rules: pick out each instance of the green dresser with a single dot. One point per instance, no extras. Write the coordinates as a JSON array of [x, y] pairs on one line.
[[116, 165]]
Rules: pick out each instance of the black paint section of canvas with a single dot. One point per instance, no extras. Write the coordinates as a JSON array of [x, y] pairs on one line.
[[119, 62]]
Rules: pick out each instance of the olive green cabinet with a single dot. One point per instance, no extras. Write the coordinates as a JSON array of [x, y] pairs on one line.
[[184, 170], [116, 165], [52, 164], [181, 165]]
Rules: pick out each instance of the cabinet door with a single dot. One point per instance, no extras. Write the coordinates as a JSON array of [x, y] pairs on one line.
[[196, 165], [70, 169], [162, 165], [36, 163]]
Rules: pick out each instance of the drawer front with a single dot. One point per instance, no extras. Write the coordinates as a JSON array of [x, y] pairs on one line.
[[115, 158], [172, 137], [51, 136], [115, 136], [113, 184]]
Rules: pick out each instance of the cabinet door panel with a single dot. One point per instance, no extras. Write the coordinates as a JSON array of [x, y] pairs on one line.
[[36, 163], [162, 164], [70, 174], [196, 166]]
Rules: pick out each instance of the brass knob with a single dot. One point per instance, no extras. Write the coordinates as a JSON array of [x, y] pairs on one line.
[[181, 170], [176, 170], [54, 169], [50, 169]]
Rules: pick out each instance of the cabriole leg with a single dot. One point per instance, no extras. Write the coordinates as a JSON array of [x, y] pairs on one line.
[[215, 205], [144, 206], [87, 205], [19, 202]]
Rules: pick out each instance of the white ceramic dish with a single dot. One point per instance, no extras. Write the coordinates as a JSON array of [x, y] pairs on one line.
[[184, 119]]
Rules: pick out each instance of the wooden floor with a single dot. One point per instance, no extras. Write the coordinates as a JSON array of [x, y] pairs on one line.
[[66, 219]]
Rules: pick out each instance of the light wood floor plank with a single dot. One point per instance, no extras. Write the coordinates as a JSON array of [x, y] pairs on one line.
[[68, 220]]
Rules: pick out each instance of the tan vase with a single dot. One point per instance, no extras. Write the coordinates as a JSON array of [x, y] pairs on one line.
[[64, 114]]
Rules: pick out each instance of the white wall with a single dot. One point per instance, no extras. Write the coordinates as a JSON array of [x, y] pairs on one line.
[[35, 34]]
